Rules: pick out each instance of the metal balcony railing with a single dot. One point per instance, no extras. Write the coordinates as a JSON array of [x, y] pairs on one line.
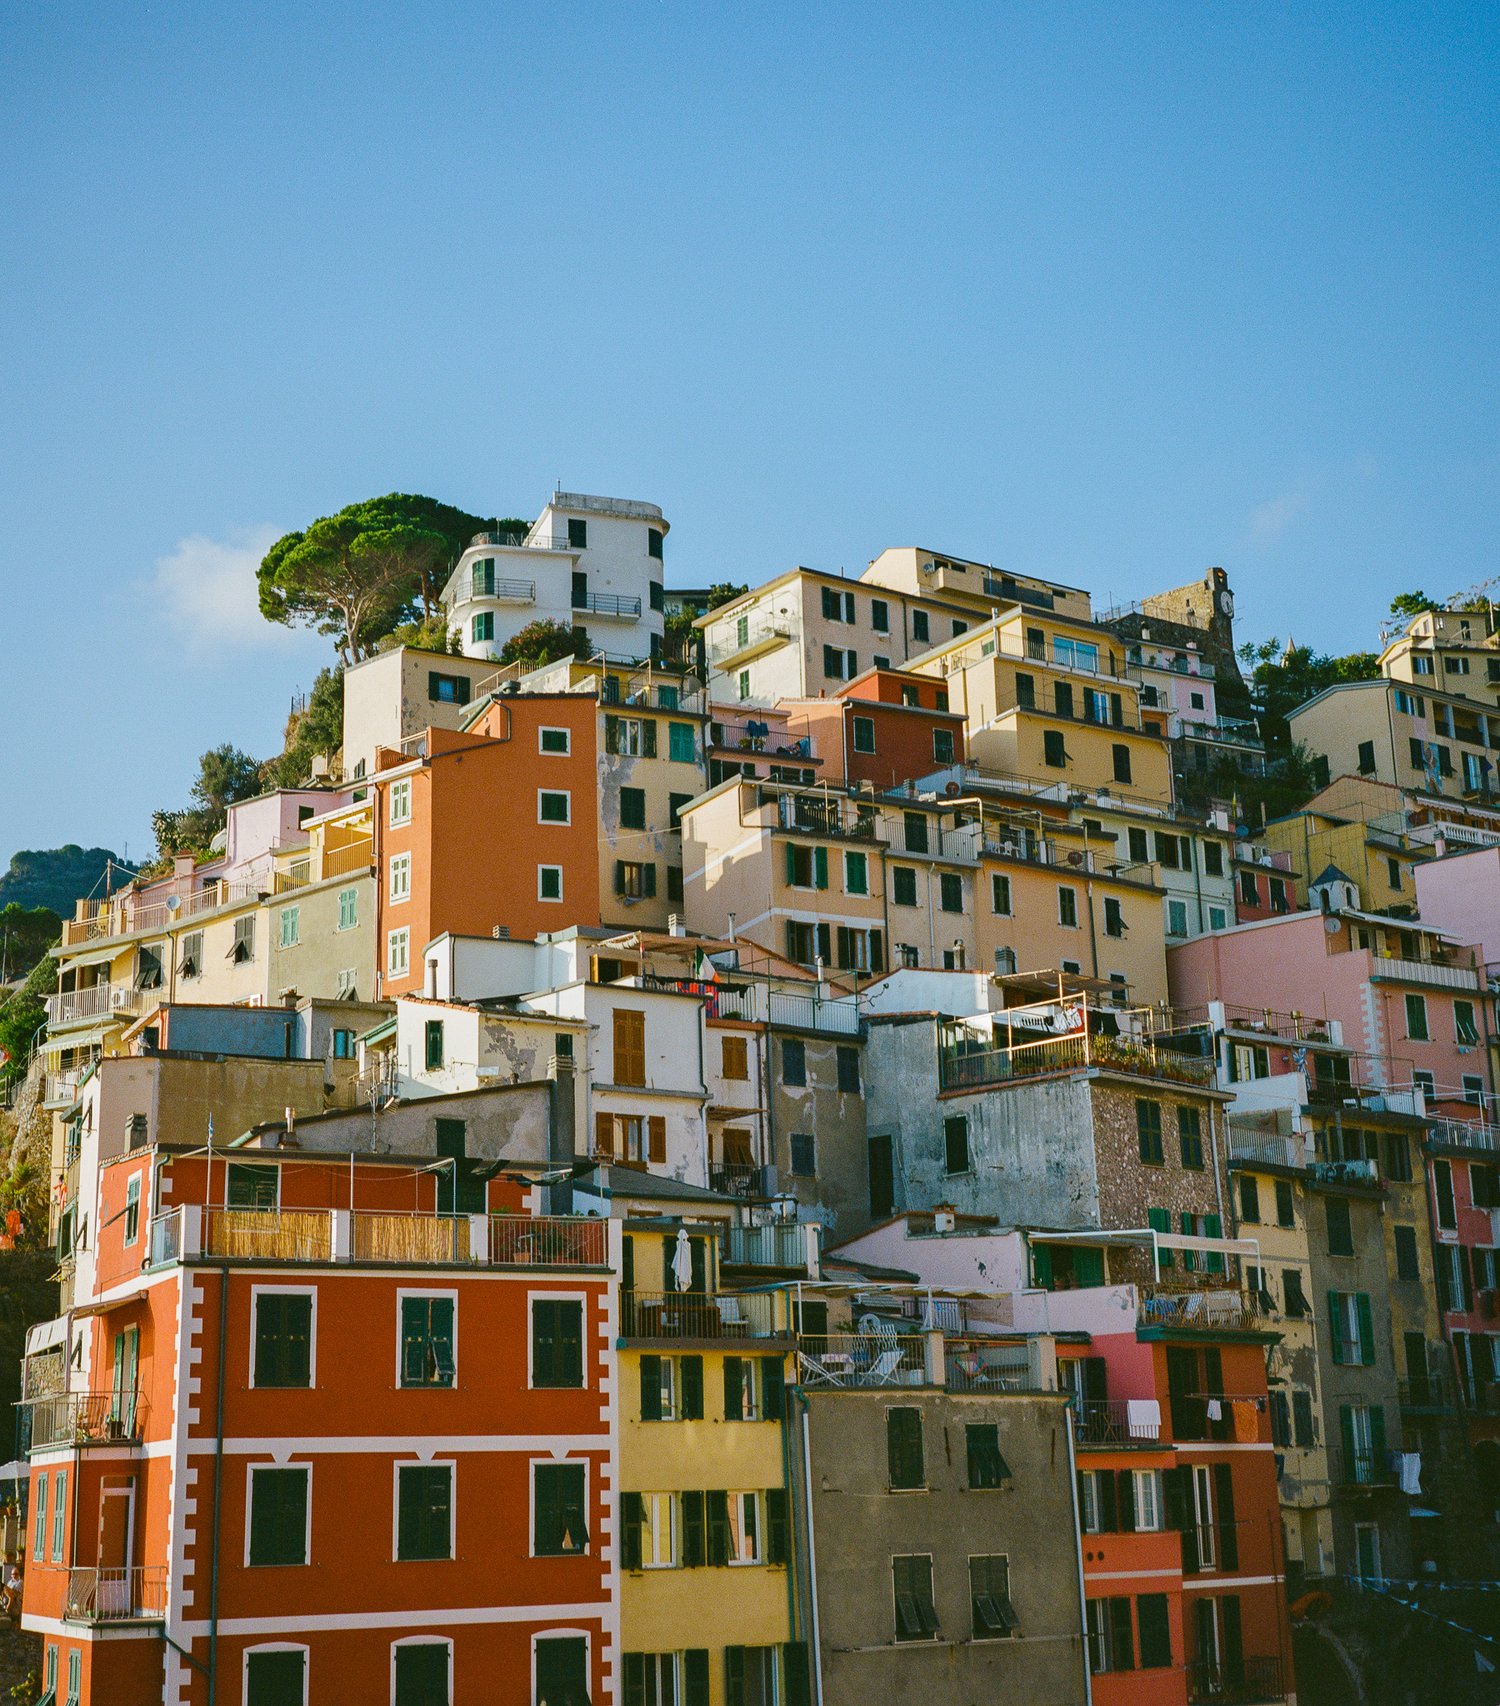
[[697, 1315], [862, 1359], [499, 586], [747, 637], [547, 1241], [1361, 1467], [1214, 1309], [1242, 1682], [1108, 1423], [70, 1006], [87, 1418], [978, 1365], [124, 1594], [610, 604], [766, 1246], [1432, 1393], [968, 1068]]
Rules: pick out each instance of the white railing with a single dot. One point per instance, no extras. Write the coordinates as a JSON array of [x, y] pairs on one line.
[[104, 1595], [1425, 971], [101, 999]]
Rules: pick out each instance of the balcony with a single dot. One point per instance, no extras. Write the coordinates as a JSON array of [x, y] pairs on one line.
[[749, 638], [790, 1248], [502, 589], [1267, 1152], [1362, 1469], [1107, 1424], [1428, 972], [972, 1069], [762, 738], [1477, 1136], [979, 1365], [1214, 1309], [513, 541], [759, 1004], [412, 1240], [826, 1361], [1240, 1684], [819, 815], [102, 1000], [1430, 1395], [738, 1179], [612, 605], [698, 1315], [132, 1593], [87, 1418]]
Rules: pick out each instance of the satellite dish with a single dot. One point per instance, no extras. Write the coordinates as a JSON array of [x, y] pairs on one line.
[[174, 904], [1332, 925]]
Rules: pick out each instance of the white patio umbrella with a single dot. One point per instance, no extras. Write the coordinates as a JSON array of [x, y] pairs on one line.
[[682, 1261]]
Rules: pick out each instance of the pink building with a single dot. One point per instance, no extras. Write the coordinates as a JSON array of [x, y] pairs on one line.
[[1459, 894], [1410, 998]]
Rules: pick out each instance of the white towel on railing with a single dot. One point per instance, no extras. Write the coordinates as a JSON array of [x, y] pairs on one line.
[[1410, 1464], [1143, 1418], [1215, 1410]]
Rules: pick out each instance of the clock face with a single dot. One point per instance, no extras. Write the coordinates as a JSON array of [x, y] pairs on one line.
[[1226, 602]]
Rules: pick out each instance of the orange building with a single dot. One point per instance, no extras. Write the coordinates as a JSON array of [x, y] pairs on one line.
[[491, 828], [888, 726], [320, 1443]]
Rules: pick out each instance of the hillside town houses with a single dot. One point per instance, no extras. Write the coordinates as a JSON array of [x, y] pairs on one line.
[[833, 1165]]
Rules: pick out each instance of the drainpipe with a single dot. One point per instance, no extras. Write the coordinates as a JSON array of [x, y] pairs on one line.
[[812, 1552], [1083, 1615], [213, 1580]]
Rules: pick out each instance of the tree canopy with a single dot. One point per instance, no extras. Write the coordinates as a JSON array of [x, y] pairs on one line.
[[1409, 604], [317, 728], [1283, 678], [542, 642], [225, 776], [55, 877], [26, 933], [361, 573]]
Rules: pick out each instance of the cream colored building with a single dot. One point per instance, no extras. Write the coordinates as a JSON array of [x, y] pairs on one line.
[[397, 695]]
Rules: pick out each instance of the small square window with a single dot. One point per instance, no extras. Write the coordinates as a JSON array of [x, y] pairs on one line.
[[864, 734], [558, 742], [424, 1511], [553, 806], [400, 802], [549, 882], [804, 1155]]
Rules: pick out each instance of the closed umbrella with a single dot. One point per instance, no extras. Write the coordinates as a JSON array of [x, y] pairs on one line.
[[682, 1261]]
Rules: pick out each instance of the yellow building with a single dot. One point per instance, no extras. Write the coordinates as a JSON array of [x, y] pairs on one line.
[[1379, 861], [705, 1511], [1049, 698]]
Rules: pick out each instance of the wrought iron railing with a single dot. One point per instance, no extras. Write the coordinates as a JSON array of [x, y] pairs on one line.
[[862, 1359], [1108, 1422], [697, 1315], [547, 1241], [87, 1418], [128, 1593], [1240, 1682]]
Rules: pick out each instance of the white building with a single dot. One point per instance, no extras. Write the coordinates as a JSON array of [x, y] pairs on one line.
[[587, 562]]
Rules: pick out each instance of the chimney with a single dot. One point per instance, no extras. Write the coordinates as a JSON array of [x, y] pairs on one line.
[[732, 936], [429, 985], [675, 926], [944, 1217], [291, 1122]]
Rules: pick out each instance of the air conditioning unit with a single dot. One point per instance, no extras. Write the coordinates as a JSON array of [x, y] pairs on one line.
[[119, 998]]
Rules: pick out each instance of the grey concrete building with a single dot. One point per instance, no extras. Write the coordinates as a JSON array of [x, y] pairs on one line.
[[944, 1546]]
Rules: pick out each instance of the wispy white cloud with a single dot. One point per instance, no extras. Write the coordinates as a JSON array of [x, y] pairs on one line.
[[204, 591], [1268, 521]]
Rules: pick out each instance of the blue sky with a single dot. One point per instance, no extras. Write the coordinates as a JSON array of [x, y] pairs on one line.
[[1108, 293]]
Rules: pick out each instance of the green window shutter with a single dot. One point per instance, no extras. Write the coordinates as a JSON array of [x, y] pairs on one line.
[[695, 1677], [791, 862], [648, 886], [632, 1516], [904, 1446], [773, 1387], [440, 1338], [413, 1341], [734, 1389], [1041, 1266], [1124, 1500], [1377, 1437], [716, 1507], [1346, 1434], [1186, 1225], [820, 867], [570, 1344], [692, 1389], [694, 1549], [776, 1525], [278, 1516], [1336, 1329], [273, 1679], [1366, 1328], [612, 734], [635, 1678], [648, 738], [650, 1389], [1160, 1220], [543, 1343], [1213, 1227], [546, 1512], [1121, 1640], [1088, 1267], [798, 1691], [734, 1676]]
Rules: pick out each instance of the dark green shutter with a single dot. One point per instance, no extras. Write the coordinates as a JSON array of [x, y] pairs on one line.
[[773, 1388], [1155, 1629], [798, 1690], [546, 1526], [1229, 1534], [440, 1334], [650, 1389], [612, 734], [903, 1427], [1336, 1329], [1346, 1433], [734, 1389], [1121, 1641], [694, 1550], [820, 867], [776, 1525], [716, 1506], [1366, 1327], [692, 1389], [695, 1677], [278, 1516], [734, 1676], [1125, 1500], [1041, 1266], [1377, 1440], [1213, 1227], [632, 1516], [635, 1679], [791, 862], [648, 738], [543, 1344], [273, 1679]]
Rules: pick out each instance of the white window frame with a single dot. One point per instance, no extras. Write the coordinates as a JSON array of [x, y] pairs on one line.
[[1088, 1502], [133, 1194], [352, 895], [545, 751], [425, 1640], [451, 1465], [276, 1647], [566, 796], [560, 1634], [1063, 923], [256, 1292], [566, 1461], [739, 1502], [549, 899], [1218, 917], [400, 802], [402, 1293], [251, 1472], [399, 885], [1176, 909], [1146, 1494], [1010, 898], [292, 915], [403, 936], [653, 1504]]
